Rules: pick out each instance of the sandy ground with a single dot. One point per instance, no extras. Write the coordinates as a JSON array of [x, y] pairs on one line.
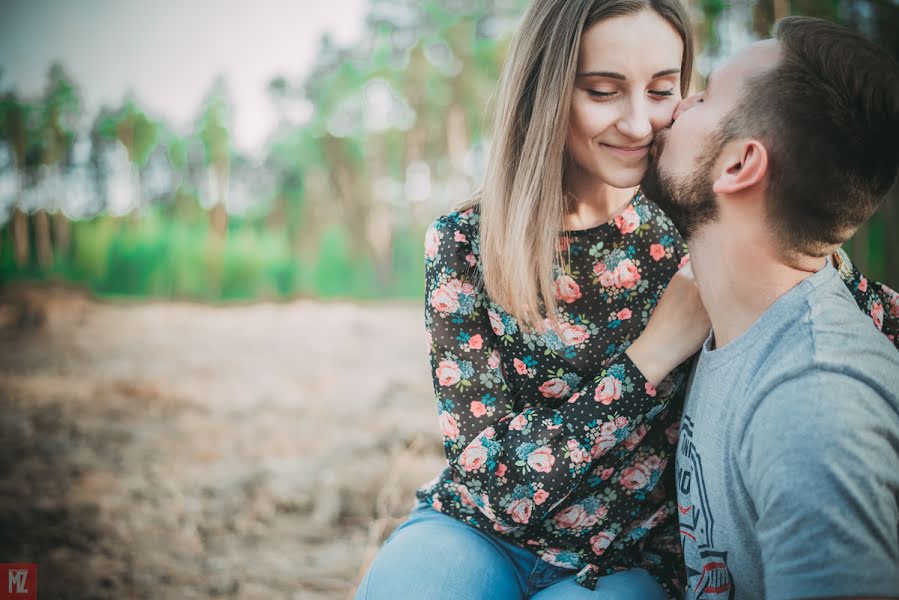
[[175, 450]]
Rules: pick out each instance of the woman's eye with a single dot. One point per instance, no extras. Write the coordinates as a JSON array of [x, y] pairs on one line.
[[598, 94], [662, 92]]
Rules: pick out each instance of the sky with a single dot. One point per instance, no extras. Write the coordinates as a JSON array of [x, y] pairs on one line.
[[168, 52]]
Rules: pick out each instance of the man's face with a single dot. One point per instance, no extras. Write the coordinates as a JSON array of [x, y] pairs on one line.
[[686, 158]]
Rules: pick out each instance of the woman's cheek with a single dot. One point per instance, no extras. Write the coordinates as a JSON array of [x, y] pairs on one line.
[[663, 113]]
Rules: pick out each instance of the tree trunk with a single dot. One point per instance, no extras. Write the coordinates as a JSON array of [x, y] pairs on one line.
[[781, 9], [20, 237], [61, 233], [42, 239]]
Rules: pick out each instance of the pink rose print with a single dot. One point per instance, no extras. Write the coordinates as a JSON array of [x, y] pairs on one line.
[[606, 473], [602, 444], [621, 422], [650, 390], [599, 268], [608, 279], [554, 388], [448, 426], [476, 342], [576, 453], [673, 432], [496, 323], [628, 274], [573, 517], [893, 301], [459, 236], [657, 252], [432, 242], [471, 260], [518, 422], [863, 285], [635, 437], [466, 496], [437, 504], [520, 367], [600, 542], [654, 462], [877, 315], [628, 221], [445, 300], [541, 459], [501, 469], [478, 409], [608, 390], [566, 289], [564, 243], [574, 397], [624, 314], [541, 496], [448, 373], [573, 335], [636, 477], [474, 456], [493, 361], [684, 260], [520, 510]]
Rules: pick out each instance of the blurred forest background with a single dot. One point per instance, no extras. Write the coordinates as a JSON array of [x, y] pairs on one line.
[[335, 205]]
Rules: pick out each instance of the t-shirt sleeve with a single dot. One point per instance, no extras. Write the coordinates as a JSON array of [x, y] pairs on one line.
[[517, 457], [820, 460]]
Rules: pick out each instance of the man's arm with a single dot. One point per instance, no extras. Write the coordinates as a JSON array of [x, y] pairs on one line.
[[820, 459]]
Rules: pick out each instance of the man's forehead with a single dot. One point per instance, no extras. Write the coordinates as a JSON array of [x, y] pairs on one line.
[[754, 59]]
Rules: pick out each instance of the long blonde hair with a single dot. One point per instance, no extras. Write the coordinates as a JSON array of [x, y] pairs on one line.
[[522, 202]]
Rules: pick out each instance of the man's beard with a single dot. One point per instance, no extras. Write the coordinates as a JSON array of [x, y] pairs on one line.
[[688, 201]]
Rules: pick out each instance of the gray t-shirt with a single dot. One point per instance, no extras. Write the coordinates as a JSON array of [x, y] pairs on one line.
[[788, 464]]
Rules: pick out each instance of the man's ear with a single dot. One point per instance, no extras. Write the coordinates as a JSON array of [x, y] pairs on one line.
[[745, 166]]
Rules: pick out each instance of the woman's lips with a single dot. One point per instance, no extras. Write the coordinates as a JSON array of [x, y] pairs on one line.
[[627, 151]]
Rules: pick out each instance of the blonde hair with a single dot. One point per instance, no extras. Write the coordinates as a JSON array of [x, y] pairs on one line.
[[522, 202]]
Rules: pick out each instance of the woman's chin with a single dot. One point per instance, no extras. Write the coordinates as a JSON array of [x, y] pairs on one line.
[[624, 177]]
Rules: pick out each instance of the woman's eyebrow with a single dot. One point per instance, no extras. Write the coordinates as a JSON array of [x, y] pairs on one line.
[[613, 75]]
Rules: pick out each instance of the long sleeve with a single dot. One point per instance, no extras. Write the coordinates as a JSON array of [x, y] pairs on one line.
[[517, 457], [875, 299]]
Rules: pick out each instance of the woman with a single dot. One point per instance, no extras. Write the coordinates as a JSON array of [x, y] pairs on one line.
[[559, 401]]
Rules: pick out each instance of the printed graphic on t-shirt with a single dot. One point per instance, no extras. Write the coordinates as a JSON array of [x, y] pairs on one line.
[[707, 574]]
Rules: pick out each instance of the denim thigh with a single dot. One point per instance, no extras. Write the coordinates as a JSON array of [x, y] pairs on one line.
[[432, 556]]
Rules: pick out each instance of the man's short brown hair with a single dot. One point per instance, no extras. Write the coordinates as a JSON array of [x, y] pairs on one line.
[[828, 114]]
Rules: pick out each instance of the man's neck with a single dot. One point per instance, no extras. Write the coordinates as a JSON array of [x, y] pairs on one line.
[[740, 278]]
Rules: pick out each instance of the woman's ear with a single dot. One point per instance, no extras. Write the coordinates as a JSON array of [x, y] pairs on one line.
[[745, 166]]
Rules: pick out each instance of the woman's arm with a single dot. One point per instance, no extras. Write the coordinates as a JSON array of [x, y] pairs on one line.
[[518, 460], [875, 299]]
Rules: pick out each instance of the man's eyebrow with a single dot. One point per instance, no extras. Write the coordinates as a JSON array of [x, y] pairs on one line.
[[613, 75]]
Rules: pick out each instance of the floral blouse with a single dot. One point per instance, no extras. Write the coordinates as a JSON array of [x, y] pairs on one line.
[[558, 444]]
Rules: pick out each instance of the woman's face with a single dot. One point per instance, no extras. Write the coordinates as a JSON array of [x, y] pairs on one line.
[[627, 87]]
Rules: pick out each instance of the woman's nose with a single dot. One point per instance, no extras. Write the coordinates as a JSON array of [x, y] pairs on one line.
[[636, 124]]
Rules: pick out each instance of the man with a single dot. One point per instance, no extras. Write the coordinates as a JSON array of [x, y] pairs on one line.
[[788, 466]]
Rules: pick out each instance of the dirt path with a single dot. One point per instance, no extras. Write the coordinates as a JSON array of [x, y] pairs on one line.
[[174, 450]]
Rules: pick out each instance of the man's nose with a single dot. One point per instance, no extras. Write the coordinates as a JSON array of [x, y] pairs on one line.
[[686, 104]]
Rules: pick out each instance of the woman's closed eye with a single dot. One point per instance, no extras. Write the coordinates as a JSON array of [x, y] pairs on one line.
[[657, 93]]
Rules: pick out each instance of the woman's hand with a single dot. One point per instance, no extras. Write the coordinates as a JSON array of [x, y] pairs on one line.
[[678, 327]]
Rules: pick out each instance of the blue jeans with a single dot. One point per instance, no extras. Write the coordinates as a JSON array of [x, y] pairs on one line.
[[432, 556]]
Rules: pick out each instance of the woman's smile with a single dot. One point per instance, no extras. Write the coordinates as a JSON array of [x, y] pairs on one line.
[[627, 152]]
